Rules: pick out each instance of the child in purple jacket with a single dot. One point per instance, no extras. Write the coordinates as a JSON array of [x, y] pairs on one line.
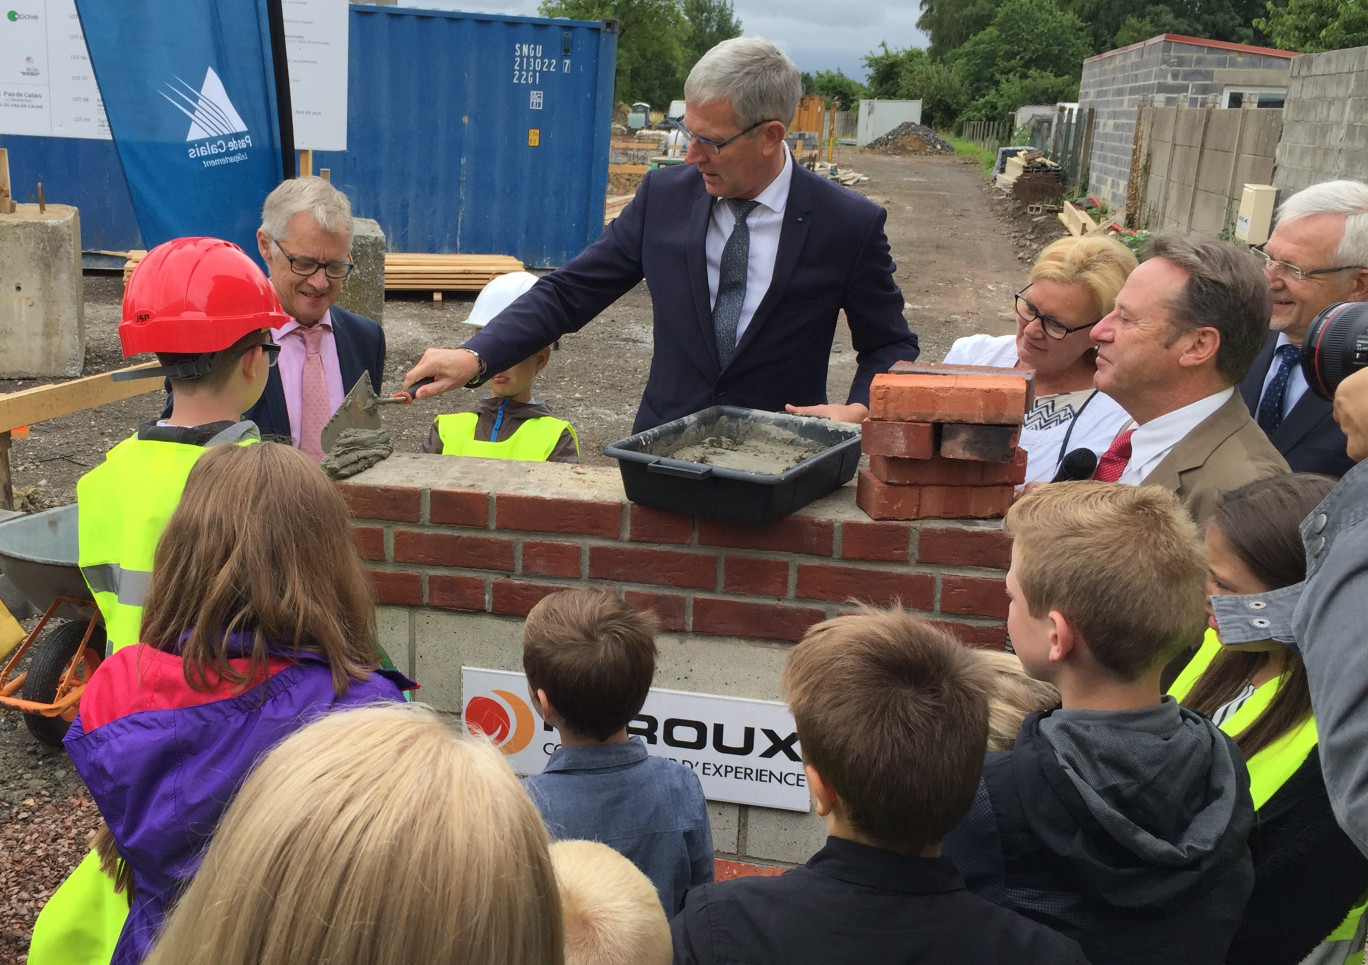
[[259, 618]]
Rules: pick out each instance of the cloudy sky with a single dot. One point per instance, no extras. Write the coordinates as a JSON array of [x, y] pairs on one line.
[[817, 34]]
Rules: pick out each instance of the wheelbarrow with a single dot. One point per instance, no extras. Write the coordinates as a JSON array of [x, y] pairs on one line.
[[38, 555]]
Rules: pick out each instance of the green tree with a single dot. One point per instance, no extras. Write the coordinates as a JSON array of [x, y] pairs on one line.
[[949, 23], [710, 23], [1036, 87], [1312, 25], [651, 39], [835, 85], [1026, 38], [912, 75]]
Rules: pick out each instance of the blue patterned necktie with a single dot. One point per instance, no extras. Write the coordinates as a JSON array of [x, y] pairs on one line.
[[1271, 407], [731, 280]]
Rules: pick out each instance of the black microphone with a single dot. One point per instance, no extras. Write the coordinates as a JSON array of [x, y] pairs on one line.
[[1076, 464]]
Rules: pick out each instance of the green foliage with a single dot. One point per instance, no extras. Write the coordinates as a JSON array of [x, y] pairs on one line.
[[912, 75], [835, 85], [949, 23], [1025, 39], [1312, 25], [1115, 24], [1037, 87], [710, 23], [987, 160], [651, 44]]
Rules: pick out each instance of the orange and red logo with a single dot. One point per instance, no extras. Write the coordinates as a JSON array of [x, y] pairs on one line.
[[508, 722]]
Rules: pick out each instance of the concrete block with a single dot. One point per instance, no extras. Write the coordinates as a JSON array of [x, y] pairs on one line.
[[364, 290], [726, 826], [1188, 129], [783, 835], [1214, 172], [727, 666], [42, 303], [396, 636], [1211, 213], [1244, 77], [1183, 168], [443, 642]]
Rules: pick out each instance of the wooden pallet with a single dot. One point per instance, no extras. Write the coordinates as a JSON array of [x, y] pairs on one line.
[[416, 271]]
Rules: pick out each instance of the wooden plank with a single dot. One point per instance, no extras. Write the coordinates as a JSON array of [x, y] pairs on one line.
[[53, 401], [6, 485], [628, 168], [7, 204], [305, 163], [1076, 220]]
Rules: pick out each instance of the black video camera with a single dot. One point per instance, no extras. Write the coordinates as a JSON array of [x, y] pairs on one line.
[[1336, 347]]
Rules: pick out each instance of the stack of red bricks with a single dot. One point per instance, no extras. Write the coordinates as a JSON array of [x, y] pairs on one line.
[[942, 441]]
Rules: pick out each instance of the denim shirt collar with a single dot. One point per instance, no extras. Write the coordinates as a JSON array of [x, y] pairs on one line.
[[597, 757]]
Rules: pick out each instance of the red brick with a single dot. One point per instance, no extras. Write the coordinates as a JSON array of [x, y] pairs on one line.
[[646, 524], [459, 507], [456, 592], [938, 471], [399, 589], [822, 581], [724, 870], [907, 440], [540, 514], [941, 368], [882, 500], [980, 399], [977, 596], [543, 558], [763, 621], [662, 567], [981, 443], [886, 542], [949, 546], [399, 503], [453, 549], [755, 575], [977, 635], [370, 542], [516, 598], [792, 534], [669, 607]]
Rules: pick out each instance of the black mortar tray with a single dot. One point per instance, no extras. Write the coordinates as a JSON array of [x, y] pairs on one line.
[[652, 478]]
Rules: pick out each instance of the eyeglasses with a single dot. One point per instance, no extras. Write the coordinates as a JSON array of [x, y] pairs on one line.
[[271, 349], [1269, 263], [716, 146], [1052, 326], [307, 266]]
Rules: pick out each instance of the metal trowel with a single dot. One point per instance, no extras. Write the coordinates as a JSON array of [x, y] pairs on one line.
[[359, 409]]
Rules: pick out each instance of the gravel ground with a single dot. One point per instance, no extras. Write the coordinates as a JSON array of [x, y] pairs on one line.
[[961, 252]]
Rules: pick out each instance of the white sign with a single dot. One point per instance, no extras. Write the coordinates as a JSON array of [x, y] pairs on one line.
[[743, 751], [48, 89]]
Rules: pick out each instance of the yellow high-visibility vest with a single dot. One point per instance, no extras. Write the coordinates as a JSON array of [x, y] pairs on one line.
[[533, 441]]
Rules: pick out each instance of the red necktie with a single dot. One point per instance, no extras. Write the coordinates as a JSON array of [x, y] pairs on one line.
[[1113, 461], [314, 410]]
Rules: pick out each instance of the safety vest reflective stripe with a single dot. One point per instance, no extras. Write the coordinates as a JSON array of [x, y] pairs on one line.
[[129, 585], [533, 441]]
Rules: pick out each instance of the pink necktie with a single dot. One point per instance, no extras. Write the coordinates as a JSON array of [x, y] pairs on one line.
[[314, 409], [1113, 461]]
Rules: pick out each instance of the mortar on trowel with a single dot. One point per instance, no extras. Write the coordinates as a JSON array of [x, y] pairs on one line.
[[353, 438]]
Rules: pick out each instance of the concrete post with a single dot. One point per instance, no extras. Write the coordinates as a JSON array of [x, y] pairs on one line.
[[42, 303], [364, 290]]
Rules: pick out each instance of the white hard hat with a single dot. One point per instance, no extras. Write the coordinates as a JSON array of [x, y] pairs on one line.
[[498, 295]]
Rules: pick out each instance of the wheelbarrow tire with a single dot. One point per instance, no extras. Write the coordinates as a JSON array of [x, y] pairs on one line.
[[51, 657]]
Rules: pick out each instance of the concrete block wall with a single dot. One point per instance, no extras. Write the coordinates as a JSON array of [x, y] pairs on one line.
[[461, 549], [1325, 120]]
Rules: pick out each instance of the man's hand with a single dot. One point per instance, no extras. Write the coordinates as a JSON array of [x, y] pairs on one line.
[[855, 412], [449, 368], [1351, 412]]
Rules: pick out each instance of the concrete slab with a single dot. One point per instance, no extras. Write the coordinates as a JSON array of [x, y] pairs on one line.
[[396, 636], [720, 665], [443, 642], [42, 307], [1188, 130], [1214, 172], [1212, 213], [726, 826], [364, 290], [783, 835]]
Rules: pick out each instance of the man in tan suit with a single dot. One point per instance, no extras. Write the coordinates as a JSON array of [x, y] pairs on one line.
[[1185, 330]]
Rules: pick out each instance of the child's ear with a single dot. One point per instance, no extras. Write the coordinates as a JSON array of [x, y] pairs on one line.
[[1063, 636], [824, 797], [541, 704], [543, 357]]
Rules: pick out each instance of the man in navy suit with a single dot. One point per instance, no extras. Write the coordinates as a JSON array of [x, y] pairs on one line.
[[1316, 256], [305, 241], [741, 317]]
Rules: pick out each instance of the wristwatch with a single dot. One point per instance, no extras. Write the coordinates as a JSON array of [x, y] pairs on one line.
[[480, 373]]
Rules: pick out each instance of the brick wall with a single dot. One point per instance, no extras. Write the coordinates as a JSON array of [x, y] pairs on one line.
[[461, 549], [1325, 120]]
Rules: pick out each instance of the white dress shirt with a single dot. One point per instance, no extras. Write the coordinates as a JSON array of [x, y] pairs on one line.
[[1155, 439], [1296, 381], [765, 222]]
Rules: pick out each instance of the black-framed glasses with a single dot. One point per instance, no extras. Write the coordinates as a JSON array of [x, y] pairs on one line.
[[307, 266], [1268, 263], [716, 146], [271, 349], [1052, 326]]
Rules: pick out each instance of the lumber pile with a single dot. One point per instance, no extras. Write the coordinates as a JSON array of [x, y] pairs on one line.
[[614, 205], [417, 271], [1077, 220]]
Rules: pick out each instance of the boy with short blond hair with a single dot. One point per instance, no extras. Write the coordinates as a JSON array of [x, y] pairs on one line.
[[892, 717], [589, 659], [1122, 818], [611, 912]]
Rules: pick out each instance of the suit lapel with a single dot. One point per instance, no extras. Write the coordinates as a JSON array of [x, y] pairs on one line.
[[700, 214], [792, 235], [1193, 450], [1309, 412]]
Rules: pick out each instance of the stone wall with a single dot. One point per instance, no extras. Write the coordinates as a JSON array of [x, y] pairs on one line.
[[461, 549], [1325, 120]]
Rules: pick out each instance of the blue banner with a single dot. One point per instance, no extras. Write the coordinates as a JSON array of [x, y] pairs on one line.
[[190, 94]]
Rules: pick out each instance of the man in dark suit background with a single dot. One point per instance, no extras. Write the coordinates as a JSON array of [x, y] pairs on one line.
[[305, 241], [749, 257], [1317, 255]]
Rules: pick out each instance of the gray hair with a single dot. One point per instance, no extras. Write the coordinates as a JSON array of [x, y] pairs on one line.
[[328, 206], [1225, 290], [751, 74], [1347, 198]]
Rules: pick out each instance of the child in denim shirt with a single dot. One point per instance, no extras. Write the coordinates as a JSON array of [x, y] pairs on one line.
[[589, 659]]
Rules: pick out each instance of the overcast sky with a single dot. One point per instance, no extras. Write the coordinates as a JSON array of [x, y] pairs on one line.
[[817, 34]]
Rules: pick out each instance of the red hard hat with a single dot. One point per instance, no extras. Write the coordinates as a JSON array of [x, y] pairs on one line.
[[196, 295]]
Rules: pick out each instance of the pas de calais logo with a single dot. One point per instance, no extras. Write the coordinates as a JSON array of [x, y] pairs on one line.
[[218, 131], [508, 722]]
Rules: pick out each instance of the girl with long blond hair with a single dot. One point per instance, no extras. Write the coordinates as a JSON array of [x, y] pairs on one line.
[[259, 618]]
